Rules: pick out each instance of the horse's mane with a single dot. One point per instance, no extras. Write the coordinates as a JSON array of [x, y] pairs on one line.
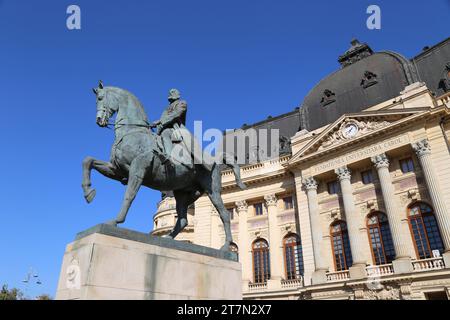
[[135, 100]]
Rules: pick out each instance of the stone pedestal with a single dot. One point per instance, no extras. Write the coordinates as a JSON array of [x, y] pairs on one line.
[[446, 257], [106, 262], [319, 277], [403, 265]]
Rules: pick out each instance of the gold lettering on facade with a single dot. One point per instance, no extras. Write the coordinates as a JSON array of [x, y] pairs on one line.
[[360, 154]]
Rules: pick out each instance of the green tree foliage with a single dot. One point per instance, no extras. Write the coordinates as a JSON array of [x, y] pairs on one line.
[[10, 294]]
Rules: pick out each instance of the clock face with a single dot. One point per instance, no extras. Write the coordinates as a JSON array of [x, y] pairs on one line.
[[350, 130]]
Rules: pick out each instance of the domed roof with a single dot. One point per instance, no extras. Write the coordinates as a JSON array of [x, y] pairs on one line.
[[365, 79]]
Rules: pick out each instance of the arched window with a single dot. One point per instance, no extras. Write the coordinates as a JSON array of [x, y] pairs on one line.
[[293, 256], [341, 246], [380, 238], [261, 262], [424, 230], [234, 248]]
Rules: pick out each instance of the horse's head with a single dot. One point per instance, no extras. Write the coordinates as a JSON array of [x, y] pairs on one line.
[[107, 105]]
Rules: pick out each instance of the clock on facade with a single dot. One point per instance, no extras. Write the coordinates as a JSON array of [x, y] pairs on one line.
[[350, 130]]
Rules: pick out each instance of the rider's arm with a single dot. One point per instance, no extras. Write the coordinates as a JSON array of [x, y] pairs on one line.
[[176, 114]]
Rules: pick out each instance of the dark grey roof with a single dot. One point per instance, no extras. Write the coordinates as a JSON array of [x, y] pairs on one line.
[[433, 66], [366, 79]]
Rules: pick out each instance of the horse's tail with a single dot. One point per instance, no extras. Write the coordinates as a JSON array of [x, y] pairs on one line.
[[230, 162]]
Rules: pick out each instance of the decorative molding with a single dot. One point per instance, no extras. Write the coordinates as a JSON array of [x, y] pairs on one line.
[[343, 173], [364, 127], [380, 161], [271, 200], [369, 79], [383, 292], [310, 183], [241, 205], [328, 97], [422, 147]]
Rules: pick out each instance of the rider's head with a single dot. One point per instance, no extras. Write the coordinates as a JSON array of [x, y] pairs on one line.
[[174, 95]]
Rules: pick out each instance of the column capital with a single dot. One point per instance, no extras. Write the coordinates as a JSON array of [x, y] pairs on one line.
[[380, 161], [241, 205], [421, 147], [343, 173], [271, 199], [310, 183]]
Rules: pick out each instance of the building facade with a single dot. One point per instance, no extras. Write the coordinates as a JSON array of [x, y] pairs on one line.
[[358, 206]]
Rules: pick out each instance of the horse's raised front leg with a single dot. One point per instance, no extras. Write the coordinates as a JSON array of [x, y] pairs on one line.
[[138, 169], [105, 168]]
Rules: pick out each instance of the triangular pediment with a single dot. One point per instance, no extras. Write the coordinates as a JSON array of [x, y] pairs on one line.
[[352, 127]]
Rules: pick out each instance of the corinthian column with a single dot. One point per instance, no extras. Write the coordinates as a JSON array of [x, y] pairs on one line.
[[319, 275], [244, 245], [353, 224], [402, 262], [423, 151], [276, 258]]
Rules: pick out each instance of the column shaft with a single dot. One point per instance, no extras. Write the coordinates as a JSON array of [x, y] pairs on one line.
[[275, 245], [423, 152], [381, 163], [244, 244], [352, 216], [316, 227]]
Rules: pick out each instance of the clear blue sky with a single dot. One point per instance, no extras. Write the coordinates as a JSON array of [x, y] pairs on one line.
[[234, 61]]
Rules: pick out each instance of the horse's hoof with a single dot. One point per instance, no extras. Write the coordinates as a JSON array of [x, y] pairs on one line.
[[112, 223], [90, 195]]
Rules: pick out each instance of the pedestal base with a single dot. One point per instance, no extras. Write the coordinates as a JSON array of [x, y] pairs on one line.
[[446, 257], [357, 271], [402, 265], [106, 262], [319, 276]]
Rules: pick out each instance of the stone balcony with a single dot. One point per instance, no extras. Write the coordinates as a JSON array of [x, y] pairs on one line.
[[272, 287], [422, 265]]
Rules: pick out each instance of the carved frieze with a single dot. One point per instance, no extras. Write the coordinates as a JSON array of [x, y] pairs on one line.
[[359, 128]]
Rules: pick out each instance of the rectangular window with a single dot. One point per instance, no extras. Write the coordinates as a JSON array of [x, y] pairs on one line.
[[367, 177], [288, 203], [333, 187], [258, 209], [231, 212], [407, 165]]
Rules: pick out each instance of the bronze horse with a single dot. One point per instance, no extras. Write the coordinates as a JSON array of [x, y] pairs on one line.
[[135, 163]]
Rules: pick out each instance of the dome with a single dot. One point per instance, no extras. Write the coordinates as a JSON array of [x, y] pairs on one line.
[[366, 78]]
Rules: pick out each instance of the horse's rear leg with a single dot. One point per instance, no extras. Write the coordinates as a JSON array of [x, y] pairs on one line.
[[183, 199], [105, 168], [216, 199]]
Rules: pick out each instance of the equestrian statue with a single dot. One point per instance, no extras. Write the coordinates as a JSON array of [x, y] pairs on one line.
[[163, 160]]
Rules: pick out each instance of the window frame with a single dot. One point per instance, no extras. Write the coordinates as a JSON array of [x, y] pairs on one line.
[[341, 233], [370, 172], [291, 203], [297, 246], [407, 160], [262, 251], [379, 226], [256, 211], [421, 214], [336, 183]]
